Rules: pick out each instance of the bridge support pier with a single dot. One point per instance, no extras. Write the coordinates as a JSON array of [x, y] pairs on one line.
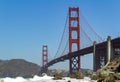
[[94, 52], [74, 26], [101, 56], [100, 59], [44, 57], [108, 49]]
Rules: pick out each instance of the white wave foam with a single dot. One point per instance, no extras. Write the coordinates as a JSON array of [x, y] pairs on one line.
[[44, 78]]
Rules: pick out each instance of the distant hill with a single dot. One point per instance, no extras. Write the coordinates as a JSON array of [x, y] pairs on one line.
[[18, 67]]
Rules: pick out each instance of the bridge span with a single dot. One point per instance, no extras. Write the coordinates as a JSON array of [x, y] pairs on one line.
[[100, 51]]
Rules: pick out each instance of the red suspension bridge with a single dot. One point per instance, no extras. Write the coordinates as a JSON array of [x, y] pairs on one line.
[[77, 42]]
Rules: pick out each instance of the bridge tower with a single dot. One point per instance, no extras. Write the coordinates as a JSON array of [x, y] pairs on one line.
[[74, 27], [44, 55]]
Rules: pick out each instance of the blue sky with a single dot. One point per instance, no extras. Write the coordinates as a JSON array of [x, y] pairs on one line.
[[26, 25]]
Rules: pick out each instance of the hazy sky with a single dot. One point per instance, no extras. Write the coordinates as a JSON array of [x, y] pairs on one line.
[[26, 25]]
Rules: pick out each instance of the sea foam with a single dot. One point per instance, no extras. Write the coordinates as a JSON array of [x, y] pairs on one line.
[[44, 78]]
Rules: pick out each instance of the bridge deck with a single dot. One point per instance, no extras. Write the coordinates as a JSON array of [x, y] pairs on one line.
[[100, 46]]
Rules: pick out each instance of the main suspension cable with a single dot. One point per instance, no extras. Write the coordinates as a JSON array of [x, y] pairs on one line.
[[91, 27], [62, 37], [86, 34]]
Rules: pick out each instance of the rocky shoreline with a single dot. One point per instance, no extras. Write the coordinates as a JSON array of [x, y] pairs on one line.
[[109, 73]]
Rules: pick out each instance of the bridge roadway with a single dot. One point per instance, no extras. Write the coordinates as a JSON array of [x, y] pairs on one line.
[[100, 46]]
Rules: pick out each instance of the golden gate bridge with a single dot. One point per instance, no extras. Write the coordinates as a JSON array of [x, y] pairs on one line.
[[76, 41]]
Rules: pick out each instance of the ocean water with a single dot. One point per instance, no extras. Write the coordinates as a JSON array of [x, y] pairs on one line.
[[44, 79]]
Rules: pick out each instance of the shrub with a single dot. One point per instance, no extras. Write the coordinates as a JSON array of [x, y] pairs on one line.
[[109, 79], [104, 74], [77, 75], [57, 76], [94, 77]]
